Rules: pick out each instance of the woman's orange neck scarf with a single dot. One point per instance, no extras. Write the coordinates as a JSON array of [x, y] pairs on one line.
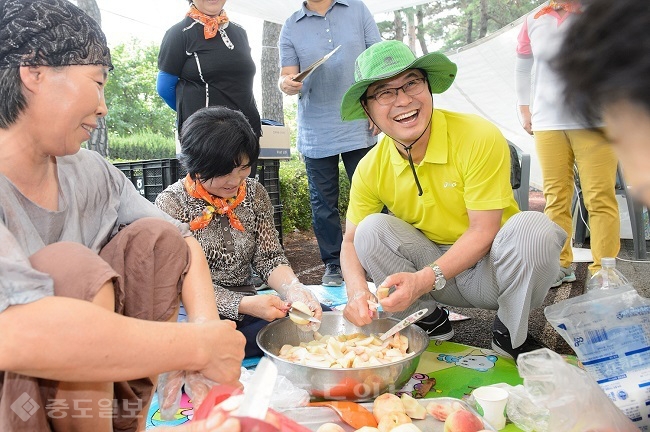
[[210, 24], [570, 7], [219, 205]]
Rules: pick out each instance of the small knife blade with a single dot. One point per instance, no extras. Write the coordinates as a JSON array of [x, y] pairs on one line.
[[259, 390], [404, 323], [301, 314]]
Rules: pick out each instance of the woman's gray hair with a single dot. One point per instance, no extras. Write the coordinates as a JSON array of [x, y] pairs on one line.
[[12, 99]]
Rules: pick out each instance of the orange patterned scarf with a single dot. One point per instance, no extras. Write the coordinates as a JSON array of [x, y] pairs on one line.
[[570, 7], [210, 24], [219, 205]]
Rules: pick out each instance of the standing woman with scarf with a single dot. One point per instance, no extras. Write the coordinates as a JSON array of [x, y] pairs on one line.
[[562, 141], [231, 216], [205, 60]]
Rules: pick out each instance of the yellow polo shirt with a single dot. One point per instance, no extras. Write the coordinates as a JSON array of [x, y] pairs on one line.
[[466, 166]]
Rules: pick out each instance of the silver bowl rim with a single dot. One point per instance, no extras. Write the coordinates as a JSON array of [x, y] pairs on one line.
[[415, 328]]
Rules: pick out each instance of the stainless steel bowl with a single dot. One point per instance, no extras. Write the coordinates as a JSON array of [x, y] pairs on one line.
[[353, 384]]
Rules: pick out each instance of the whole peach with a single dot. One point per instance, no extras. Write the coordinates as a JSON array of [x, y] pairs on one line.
[[463, 421]]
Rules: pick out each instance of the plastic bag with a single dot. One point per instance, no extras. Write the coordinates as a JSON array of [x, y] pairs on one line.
[[170, 386], [285, 394], [610, 333], [560, 397], [523, 412]]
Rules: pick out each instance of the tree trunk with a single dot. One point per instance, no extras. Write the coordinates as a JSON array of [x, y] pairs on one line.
[[410, 27], [272, 104], [420, 30], [470, 25], [399, 26], [99, 138], [483, 25]]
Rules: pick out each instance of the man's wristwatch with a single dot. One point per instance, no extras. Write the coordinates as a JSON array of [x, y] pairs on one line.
[[440, 281]]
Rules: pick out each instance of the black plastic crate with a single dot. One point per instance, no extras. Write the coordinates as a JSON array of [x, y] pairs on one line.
[[151, 177], [268, 173], [277, 220], [268, 170]]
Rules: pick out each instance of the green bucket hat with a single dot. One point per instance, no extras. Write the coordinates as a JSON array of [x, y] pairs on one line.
[[387, 59]]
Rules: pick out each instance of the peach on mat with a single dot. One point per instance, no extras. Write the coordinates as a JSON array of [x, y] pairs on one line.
[[386, 403], [391, 420], [463, 421], [440, 410]]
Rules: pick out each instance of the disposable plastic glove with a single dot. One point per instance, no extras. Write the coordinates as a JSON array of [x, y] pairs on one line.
[[170, 385], [296, 291], [197, 387]]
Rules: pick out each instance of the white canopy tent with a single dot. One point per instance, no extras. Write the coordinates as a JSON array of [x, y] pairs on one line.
[[279, 10], [485, 85]]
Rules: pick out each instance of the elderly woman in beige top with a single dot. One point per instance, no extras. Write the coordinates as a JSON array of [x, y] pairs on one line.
[[90, 271]]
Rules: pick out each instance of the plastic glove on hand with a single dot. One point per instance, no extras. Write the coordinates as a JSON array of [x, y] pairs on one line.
[[297, 292], [197, 387], [170, 385]]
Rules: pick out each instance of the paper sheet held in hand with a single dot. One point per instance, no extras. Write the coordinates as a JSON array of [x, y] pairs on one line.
[[304, 74]]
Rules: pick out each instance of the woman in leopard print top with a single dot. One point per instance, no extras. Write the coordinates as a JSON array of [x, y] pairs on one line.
[[231, 216]]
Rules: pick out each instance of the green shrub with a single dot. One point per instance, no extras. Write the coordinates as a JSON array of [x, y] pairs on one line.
[[141, 146], [294, 193]]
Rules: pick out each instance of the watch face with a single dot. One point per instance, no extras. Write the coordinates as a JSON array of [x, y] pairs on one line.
[[440, 280]]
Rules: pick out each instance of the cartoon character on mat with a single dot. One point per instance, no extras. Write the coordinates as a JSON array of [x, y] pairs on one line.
[[418, 386], [184, 414], [478, 362]]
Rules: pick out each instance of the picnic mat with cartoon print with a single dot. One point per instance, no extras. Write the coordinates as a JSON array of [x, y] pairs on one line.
[[449, 369]]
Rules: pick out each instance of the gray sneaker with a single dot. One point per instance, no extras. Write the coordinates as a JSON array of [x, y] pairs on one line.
[[333, 275], [566, 275]]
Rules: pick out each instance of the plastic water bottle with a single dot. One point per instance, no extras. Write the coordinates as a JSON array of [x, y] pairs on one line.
[[607, 277]]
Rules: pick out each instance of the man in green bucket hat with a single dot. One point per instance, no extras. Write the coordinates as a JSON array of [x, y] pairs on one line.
[[453, 233]]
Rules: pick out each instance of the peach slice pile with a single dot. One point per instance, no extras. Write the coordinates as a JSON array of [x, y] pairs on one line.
[[396, 414], [347, 351]]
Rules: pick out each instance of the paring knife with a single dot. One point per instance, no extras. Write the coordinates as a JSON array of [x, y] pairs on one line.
[[301, 314], [257, 396], [404, 323]]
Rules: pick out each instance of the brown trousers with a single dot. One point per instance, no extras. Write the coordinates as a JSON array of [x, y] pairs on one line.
[[147, 262]]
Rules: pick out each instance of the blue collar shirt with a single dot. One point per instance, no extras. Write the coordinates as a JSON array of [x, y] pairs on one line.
[[306, 37]]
